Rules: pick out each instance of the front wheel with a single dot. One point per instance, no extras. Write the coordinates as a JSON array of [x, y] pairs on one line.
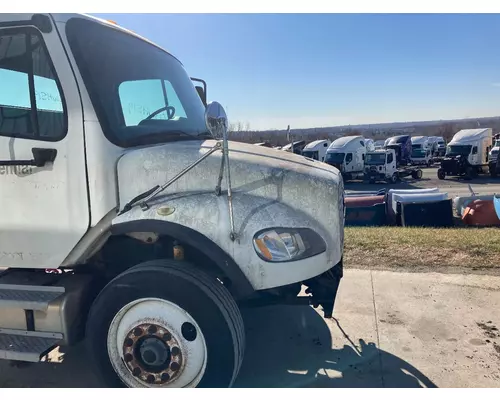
[[441, 174], [394, 178], [164, 324]]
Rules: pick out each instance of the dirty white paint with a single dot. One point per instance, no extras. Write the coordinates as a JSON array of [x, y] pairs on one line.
[[271, 188], [44, 211]]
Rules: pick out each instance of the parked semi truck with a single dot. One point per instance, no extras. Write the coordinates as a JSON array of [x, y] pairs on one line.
[[402, 147], [316, 149], [467, 153], [130, 221], [347, 154], [382, 165], [421, 151], [493, 156]]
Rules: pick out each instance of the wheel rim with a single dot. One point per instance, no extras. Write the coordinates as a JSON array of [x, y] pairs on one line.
[[155, 343]]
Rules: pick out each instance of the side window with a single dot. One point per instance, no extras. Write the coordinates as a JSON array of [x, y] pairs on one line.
[[140, 99], [390, 158], [348, 158], [31, 104], [363, 157], [474, 150]]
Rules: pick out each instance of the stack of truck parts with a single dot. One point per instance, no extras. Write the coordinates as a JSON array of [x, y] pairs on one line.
[[482, 213], [373, 215], [435, 214], [460, 203], [365, 209], [397, 198]]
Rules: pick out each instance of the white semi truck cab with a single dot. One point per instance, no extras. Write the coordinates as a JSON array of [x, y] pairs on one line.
[[130, 221], [381, 165]]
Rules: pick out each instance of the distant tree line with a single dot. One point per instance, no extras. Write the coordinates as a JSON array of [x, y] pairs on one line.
[[242, 132]]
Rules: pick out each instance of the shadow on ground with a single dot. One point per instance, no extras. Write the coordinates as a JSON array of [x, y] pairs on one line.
[[286, 347], [292, 347]]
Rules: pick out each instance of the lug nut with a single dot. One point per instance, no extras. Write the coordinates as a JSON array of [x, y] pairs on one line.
[[128, 357], [176, 351], [152, 329], [150, 379], [129, 342], [175, 367], [137, 331], [167, 336], [165, 377], [136, 371]]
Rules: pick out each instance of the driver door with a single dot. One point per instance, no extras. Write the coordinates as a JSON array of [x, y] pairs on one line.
[[44, 209]]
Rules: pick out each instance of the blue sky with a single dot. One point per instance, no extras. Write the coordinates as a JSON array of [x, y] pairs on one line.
[[312, 70]]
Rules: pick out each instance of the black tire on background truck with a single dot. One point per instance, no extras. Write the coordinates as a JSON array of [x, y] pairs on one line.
[[469, 173], [417, 174], [394, 178], [493, 170], [165, 323], [441, 174]]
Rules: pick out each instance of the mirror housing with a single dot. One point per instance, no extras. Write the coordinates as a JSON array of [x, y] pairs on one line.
[[202, 91], [216, 120]]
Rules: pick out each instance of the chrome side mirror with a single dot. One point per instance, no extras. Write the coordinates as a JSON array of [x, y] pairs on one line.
[[217, 125], [216, 120]]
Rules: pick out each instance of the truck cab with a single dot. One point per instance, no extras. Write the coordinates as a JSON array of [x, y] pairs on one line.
[[493, 157], [402, 147], [382, 165], [440, 150], [466, 154], [316, 149], [129, 219], [347, 154], [421, 151]]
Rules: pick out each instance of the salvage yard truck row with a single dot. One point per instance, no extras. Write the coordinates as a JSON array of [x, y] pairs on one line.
[[141, 228]]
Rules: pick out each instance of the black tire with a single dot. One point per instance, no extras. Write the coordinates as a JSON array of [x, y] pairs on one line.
[[203, 297], [441, 174], [469, 173], [418, 174], [394, 178]]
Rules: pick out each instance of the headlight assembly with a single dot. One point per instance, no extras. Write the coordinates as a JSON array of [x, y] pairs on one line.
[[287, 244]]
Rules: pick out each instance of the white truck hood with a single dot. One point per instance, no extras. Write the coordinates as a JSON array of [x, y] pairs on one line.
[[271, 188]]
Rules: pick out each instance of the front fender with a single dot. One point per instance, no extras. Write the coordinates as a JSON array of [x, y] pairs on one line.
[[241, 287], [207, 214]]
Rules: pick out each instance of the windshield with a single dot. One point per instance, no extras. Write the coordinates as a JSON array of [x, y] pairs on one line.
[[335, 158], [418, 153], [457, 150], [416, 146], [497, 143], [141, 94], [375, 159], [310, 154]]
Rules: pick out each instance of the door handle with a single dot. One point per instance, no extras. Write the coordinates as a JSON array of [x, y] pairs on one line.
[[41, 156]]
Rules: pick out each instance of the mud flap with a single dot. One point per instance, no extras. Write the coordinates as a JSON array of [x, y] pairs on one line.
[[324, 288]]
